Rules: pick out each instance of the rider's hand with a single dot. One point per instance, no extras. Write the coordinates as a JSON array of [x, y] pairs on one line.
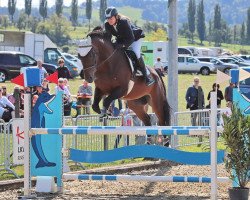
[[118, 46]]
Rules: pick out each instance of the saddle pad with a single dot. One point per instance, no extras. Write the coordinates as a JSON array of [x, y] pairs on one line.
[[138, 72]]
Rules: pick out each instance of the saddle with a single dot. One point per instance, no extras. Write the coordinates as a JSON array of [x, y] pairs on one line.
[[133, 62]]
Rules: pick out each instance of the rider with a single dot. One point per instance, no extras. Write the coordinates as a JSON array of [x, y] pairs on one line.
[[127, 35]]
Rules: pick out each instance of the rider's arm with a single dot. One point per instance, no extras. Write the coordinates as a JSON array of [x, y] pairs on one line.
[[127, 33]]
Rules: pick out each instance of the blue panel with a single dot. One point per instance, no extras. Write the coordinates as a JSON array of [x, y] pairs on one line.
[[53, 131], [144, 151], [96, 127], [97, 177], [182, 132], [193, 179], [110, 127], [167, 132], [243, 103], [81, 131], [178, 178], [33, 77], [152, 132], [83, 177], [67, 131], [110, 178], [206, 180]]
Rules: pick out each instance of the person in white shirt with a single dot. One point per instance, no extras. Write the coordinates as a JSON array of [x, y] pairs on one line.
[[43, 72], [66, 96], [159, 66], [6, 107]]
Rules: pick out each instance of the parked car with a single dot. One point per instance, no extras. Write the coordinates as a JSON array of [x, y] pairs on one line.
[[245, 57], [74, 59], [184, 51], [11, 62], [233, 61], [189, 64], [218, 64]]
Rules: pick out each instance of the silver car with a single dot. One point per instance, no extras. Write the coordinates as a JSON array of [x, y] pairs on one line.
[[218, 64]]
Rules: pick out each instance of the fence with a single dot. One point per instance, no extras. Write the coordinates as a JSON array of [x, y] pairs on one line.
[[102, 142]]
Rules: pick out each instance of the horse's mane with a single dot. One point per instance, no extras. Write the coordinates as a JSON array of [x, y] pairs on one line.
[[98, 31]]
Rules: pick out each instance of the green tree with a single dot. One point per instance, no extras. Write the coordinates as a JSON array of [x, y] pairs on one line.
[[191, 18], [12, 8], [242, 34], [201, 27], [217, 17], [59, 7], [28, 7], [235, 34], [74, 12], [4, 21], [33, 23], [248, 26], [56, 28], [88, 10], [43, 9], [21, 23], [210, 32], [103, 7], [217, 33]]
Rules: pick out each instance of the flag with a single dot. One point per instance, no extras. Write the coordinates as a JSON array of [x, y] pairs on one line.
[[222, 77], [19, 80], [243, 74], [53, 78]]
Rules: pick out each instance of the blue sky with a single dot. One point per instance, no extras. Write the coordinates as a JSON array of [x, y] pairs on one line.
[[35, 3]]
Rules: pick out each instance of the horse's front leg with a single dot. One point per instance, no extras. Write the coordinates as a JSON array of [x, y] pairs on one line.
[[97, 98], [116, 94]]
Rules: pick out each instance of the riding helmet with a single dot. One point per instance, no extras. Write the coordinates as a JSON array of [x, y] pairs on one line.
[[110, 12]]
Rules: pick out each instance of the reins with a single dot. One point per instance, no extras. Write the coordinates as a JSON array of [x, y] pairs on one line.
[[102, 61]]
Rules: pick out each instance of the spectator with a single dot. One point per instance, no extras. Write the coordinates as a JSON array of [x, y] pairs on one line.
[[4, 92], [66, 96], [219, 95], [43, 72], [84, 96], [38, 91], [34, 99], [229, 94], [195, 99], [159, 66], [62, 70], [6, 107], [45, 85]]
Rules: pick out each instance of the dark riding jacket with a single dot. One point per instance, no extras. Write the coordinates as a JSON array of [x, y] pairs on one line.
[[125, 32]]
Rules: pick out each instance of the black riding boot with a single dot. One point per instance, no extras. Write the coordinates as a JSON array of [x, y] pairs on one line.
[[148, 79]]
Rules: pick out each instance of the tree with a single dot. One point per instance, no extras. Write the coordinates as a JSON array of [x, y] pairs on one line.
[[21, 23], [12, 8], [59, 7], [242, 33], [28, 7], [201, 27], [4, 21], [248, 26], [43, 9], [217, 17], [217, 33], [88, 10], [74, 12], [191, 18], [210, 33], [235, 34], [103, 7]]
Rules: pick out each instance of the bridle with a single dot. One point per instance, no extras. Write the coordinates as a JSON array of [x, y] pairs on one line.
[[93, 52]]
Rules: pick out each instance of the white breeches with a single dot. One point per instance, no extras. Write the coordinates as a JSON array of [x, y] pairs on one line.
[[136, 47]]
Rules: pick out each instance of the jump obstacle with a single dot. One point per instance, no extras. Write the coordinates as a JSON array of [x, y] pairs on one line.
[[135, 151]]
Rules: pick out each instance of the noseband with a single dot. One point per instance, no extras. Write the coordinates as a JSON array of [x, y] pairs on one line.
[[93, 52]]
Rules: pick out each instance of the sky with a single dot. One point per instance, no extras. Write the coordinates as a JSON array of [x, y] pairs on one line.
[[35, 3]]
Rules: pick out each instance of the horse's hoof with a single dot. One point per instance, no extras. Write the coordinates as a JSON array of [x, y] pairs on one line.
[[96, 109]]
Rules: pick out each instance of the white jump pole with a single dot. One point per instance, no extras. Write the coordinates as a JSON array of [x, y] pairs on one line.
[[27, 125], [213, 144]]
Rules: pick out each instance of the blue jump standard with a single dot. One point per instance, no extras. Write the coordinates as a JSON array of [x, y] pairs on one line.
[[144, 151]]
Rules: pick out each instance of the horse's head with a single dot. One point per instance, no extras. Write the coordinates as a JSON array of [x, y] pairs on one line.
[[93, 50]]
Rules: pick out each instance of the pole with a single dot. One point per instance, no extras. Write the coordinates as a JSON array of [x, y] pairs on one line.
[[213, 142], [172, 57], [27, 125]]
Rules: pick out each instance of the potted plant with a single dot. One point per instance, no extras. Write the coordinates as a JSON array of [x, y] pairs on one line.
[[236, 135]]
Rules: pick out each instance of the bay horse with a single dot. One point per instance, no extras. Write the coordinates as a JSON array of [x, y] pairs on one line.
[[110, 70]]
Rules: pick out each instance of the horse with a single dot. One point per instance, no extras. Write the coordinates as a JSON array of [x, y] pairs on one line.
[[110, 70]]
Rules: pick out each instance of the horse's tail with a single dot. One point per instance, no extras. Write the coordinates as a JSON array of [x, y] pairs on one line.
[[166, 107]]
